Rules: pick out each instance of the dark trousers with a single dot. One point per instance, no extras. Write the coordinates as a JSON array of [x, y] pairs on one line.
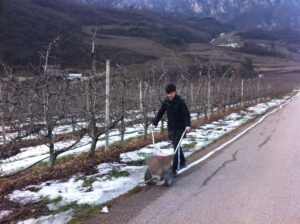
[[174, 137]]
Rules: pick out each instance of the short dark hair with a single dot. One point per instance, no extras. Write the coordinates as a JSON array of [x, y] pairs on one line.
[[170, 88]]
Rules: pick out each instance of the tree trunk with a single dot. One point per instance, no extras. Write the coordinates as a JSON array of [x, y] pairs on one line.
[[123, 127], [107, 104], [93, 52], [207, 113], [3, 130], [93, 147], [229, 92], [258, 91], [52, 160], [51, 148], [2, 117], [142, 109], [145, 131], [192, 96], [242, 93], [122, 130]]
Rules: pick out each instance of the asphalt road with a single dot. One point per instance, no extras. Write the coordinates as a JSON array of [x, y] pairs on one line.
[[256, 179]]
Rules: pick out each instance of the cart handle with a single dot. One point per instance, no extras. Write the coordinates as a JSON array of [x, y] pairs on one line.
[[179, 142], [153, 137]]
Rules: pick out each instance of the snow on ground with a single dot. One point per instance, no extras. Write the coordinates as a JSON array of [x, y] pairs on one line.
[[63, 217], [142, 153], [95, 189], [227, 40], [233, 45], [4, 214], [111, 181], [114, 179]]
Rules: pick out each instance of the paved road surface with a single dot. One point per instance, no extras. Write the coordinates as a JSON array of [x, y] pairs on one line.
[[254, 180]]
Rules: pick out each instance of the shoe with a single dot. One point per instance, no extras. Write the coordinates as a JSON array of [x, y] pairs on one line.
[[182, 166]]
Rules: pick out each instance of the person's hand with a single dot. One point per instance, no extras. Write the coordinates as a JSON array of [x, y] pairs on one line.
[[152, 126], [188, 129]]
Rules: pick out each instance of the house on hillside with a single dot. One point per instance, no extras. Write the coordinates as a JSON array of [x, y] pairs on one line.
[[75, 75]]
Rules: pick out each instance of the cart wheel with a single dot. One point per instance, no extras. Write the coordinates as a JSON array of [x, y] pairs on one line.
[[169, 177], [148, 177]]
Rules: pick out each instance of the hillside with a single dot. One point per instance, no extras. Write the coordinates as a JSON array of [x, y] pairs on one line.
[[28, 26], [141, 40], [266, 14]]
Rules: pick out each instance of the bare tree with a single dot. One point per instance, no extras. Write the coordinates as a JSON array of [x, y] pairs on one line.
[[2, 116], [47, 55]]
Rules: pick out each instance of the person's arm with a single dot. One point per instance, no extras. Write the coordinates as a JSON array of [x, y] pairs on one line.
[[159, 114], [186, 114]]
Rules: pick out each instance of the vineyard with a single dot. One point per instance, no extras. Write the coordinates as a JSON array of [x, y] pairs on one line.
[[48, 110]]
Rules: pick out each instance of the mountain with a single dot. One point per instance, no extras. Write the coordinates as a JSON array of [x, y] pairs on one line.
[[28, 26], [128, 37], [266, 14]]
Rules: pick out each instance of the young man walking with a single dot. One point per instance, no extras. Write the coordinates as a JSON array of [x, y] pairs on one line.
[[179, 120]]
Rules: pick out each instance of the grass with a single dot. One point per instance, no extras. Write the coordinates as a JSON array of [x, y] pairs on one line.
[[166, 147], [39, 165], [65, 208], [137, 163], [239, 118], [222, 123], [87, 182], [64, 158], [46, 201], [58, 160], [189, 146], [117, 173], [81, 212], [293, 93]]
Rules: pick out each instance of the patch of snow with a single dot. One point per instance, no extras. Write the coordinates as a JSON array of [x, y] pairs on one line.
[[232, 45], [103, 189], [104, 210], [197, 8], [4, 214], [63, 217], [56, 206], [143, 153], [105, 168]]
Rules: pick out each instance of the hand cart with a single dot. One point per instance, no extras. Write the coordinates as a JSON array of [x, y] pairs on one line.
[[160, 165]]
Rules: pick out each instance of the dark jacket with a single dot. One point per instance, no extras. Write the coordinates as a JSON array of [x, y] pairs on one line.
[[177, 112]]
